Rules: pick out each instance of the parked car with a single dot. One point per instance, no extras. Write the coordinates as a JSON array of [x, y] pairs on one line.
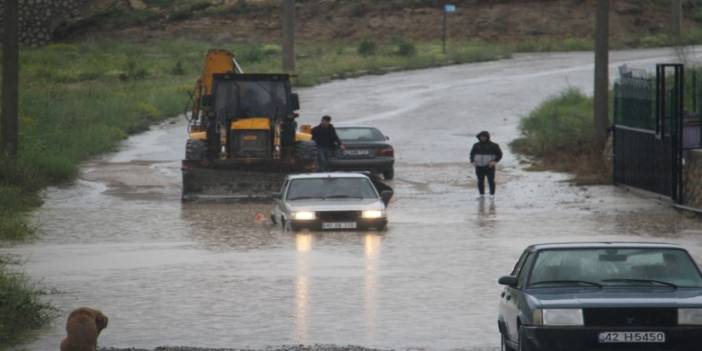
[[331, 201], [367, 149], [602, 296]]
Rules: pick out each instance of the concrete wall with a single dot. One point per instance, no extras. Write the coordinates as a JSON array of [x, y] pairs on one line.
[[693, 179], [39, 18]]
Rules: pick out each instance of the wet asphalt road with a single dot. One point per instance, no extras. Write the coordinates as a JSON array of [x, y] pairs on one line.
[[211, 275]]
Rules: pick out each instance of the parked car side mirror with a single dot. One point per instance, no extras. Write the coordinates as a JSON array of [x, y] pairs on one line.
[[387, 137], [277, 196], [508, 280], [386, 196]]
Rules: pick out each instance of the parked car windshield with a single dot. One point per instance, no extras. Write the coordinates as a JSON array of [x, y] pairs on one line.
[[359, 134], [615, 267], [331, 188]]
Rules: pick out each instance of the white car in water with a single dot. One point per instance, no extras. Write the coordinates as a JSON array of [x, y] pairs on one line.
[[331, 201]]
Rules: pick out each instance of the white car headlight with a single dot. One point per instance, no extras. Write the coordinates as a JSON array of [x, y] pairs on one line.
[[561, 317], [690, 316], [373, 214], [303, 216]]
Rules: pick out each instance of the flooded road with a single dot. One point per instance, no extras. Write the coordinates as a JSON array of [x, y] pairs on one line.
[[211, 275]]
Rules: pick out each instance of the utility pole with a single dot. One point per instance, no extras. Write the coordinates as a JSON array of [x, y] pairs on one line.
[[443, 32], [10, 86], [288, 36], [601, 109], [676, 22]]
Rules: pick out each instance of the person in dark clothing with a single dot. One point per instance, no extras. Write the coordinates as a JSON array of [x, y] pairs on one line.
[[324, 136], [484, 156]]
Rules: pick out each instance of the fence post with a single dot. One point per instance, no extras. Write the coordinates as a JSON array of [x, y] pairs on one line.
[[601, 108], [288, 29]]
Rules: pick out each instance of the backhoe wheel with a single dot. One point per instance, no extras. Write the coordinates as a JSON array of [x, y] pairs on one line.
[[389, 174], [195, 150], [305, 151]]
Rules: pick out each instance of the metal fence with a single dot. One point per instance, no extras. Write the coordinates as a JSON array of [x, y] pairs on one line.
[[648, 129]]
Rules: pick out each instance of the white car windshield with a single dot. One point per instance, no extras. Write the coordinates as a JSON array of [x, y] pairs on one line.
[[331, 188], [608, 267]]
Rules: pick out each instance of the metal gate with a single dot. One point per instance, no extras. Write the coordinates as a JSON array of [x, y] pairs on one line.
[[648, 124]]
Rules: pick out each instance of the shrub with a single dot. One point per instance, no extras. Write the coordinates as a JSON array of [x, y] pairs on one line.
[[149, 111], [200, 5], [21, 309], [367, 48], [181, 15], [561, 124], [406, 49], [251, 53], [178, 69], [134, 71]]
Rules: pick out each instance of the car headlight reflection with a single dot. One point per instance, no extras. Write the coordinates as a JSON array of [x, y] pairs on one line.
[[561, 317], [690, 316], [373, 214], [304, 216]]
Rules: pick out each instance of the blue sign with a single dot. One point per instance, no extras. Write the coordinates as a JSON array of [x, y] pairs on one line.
[[449, 8]]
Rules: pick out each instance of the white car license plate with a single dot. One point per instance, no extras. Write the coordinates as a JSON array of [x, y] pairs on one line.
[[339, 225], [358, 152], [632, 337]]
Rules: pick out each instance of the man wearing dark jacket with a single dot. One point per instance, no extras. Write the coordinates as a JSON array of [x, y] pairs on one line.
[[324, 135], [484, 156]]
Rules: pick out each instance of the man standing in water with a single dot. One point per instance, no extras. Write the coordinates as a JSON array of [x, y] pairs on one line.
[[324, 135], [484, 157]]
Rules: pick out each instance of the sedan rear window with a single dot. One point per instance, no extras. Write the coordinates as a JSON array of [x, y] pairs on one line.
[[359, 134], [615, 267], [331, 188]]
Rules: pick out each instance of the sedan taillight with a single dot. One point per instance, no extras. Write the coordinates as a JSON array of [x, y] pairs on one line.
[[388, 152]]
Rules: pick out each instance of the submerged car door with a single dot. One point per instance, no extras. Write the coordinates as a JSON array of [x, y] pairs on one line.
[[511, 297]]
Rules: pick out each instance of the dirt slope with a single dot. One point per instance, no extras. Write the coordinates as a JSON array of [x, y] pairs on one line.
[[258, 20]]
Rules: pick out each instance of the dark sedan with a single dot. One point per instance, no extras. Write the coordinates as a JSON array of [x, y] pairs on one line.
[[367, 150], [602, 296]]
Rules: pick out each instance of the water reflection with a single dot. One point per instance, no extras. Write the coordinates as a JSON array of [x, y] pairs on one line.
[[372, 250], [303, 244], [239, 226], [487, 213]]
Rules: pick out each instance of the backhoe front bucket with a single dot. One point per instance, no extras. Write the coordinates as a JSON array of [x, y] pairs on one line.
[[235, 181]]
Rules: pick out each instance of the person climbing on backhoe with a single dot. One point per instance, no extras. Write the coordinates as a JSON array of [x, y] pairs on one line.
[[484, 156], [326, 139]]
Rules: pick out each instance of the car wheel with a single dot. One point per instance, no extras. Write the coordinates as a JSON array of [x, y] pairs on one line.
[[389, 174], [523, 345]]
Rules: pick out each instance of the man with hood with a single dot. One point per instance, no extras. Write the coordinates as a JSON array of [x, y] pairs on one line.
[[326, 139], [484, 156]]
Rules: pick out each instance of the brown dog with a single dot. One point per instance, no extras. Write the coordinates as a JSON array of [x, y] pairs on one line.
[[83, 327]]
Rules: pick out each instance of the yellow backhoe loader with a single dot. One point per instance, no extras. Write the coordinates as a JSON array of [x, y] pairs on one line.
[[243, 136]]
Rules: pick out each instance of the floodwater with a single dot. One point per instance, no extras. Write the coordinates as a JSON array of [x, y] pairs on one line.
[[211, 275]]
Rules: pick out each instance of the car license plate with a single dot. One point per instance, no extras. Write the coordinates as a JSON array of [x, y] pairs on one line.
[[250, 137], [632, 337], [340, 225], [359, 152]]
